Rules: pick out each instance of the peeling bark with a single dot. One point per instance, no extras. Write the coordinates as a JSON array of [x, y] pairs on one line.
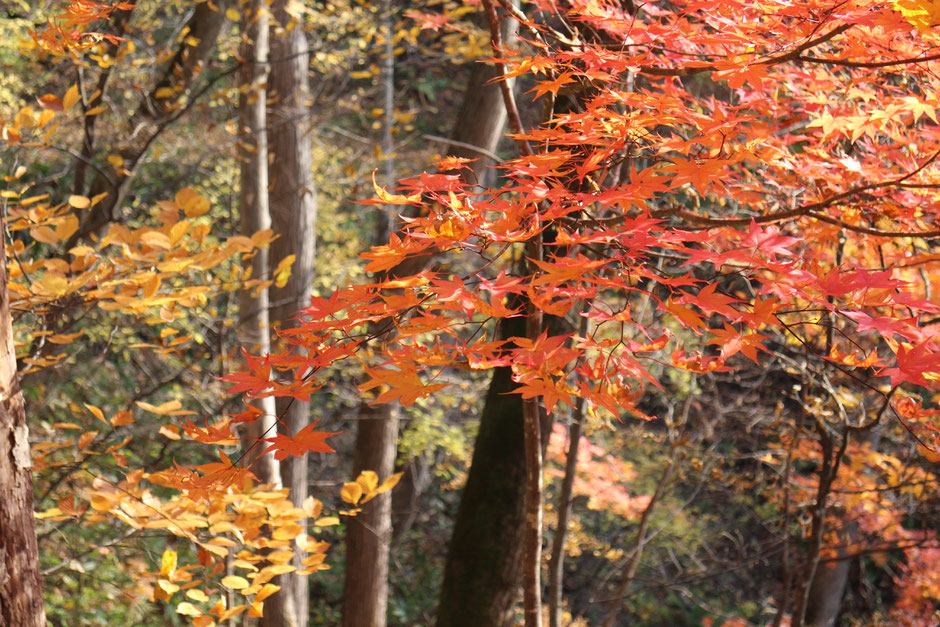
[[21, 602]]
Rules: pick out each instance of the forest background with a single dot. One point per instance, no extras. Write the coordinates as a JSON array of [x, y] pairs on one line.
[[633, 299]]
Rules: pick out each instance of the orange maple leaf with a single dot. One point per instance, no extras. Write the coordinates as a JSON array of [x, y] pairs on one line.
[[307, 440]]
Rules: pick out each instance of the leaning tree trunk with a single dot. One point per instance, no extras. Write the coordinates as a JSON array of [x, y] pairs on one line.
[[20, 581], [293, 216], [254, 322]]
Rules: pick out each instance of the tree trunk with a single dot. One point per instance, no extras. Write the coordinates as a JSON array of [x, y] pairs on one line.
[[369, 534], [254, 323], [825, 593], [293, 215], [828, 586], [484, 561], [365, 598], [20, 581]]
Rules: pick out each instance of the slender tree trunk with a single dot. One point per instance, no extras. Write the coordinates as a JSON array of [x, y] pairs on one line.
[[534, 457], [639, 544], [20, 582], [556, 563], [293, 216], [831, 461], [369, 534], [254, 322]]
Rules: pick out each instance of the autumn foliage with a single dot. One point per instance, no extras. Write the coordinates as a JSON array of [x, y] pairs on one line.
[[699, 187]]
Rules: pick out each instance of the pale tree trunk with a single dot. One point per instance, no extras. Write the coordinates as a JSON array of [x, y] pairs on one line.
[[293, 215], [254, 324], [369, 534], [20, 581]]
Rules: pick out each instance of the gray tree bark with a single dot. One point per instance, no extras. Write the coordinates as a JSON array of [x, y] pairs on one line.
[[369, 534], [293, 204]]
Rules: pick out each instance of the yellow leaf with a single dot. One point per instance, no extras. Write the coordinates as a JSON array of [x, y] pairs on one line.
[[86, 439], [44, 234], [24, 118], [203, 621], [368, 480], [116, 161], [55, 511], [45, 117], [149, 283], [164, 92], [239, 243], [122, 418], [197, 595], [930, 455], [96, 110], [287, 532], [79, 202], [55, 284], [282, 273], [393, 199], [351, 492], [192, 204], [387, 485], [156, 239], [65, 338], [65, 425], [312, 507], [326, 521], [262, 238], [167, 586], [66, 227], [178, 230], [188, 609], [267, 590], [163, 410], [390, 483], [170, 431], [167, 563], [233, 15], [71, 97], [256, 610], [234, 582], [97, 413]]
